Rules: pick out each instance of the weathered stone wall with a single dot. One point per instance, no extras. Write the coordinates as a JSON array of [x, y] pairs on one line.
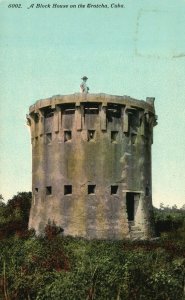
[[92, 165]]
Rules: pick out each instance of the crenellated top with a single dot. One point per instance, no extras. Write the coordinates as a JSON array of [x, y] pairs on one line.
[[86, 111], [78, 98]]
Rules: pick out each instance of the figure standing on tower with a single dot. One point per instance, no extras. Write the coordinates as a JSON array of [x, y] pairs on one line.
[[83, 87]]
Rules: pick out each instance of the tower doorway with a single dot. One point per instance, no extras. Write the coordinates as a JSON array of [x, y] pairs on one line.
[[130, 205]]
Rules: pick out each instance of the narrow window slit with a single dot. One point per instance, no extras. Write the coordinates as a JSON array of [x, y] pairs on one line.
[[67, 189], [67, 135], [48, 190], [114, 189], [91, 189], [90, 135], [114, 136], [147, 191], [36, 117]]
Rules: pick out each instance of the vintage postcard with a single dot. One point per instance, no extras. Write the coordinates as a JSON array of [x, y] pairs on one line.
[[92, 143]]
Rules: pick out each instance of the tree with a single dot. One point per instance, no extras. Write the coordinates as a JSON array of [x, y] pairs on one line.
[[183, 207], [14, 215]]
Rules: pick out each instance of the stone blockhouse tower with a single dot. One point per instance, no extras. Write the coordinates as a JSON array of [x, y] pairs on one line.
[[91, 165]]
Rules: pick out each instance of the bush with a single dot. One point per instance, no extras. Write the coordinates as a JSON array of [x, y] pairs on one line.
[[168, 219], [53, 267], [14, 215], [69, 268]]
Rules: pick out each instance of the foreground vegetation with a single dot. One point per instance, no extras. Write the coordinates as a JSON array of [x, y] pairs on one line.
[[54, 267]]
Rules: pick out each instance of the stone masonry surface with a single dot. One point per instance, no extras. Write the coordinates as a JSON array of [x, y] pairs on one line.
[[91, 165]]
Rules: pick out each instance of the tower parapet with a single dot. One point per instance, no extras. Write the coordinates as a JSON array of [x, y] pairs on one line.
[[91, 165]]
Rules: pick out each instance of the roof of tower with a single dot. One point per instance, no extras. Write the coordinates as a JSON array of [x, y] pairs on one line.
[[101, 97]]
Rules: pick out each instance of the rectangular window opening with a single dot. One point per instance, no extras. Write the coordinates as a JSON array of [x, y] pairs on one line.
[[48, 190], [67, 189], [90, 135], [67, 135], [91, 111], [36, 190], [114, 189], [91, 108], [48, 112], [91, 189], [68, 109], [113, 111], [48, 138], [114, 136]]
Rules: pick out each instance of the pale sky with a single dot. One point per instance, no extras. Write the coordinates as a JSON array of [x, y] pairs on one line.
[[137, 51]]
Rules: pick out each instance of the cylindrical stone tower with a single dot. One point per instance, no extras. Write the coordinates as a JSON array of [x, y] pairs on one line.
[[91, 165]]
